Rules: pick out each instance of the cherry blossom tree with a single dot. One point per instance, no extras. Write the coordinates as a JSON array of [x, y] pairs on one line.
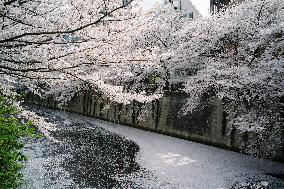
[[52, 41], [239, 55], [61, 47]]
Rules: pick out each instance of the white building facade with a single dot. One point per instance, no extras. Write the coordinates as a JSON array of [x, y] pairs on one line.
[[186, 7]]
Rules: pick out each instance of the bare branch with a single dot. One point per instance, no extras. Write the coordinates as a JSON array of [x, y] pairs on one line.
[[16, 20], [2, 67]]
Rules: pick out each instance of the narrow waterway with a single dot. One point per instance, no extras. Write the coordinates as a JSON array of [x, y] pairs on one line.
[[84, 152]]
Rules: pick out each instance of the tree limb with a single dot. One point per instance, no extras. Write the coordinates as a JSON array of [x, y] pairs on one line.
[[67, 31]]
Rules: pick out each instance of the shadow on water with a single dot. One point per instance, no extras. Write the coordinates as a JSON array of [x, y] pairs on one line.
[[257, 184], [93, 156], [279, 176], [97, 157]]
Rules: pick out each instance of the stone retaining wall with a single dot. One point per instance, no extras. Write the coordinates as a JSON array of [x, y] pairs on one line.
[[206, 125]]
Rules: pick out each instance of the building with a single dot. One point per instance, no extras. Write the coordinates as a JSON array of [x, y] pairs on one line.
[[217, 5], [186, 7]]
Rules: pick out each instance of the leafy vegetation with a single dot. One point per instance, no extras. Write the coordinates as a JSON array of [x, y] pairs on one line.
[[11, 130]]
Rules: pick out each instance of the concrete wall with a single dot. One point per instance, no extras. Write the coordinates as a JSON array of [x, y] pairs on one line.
[[206, 125]]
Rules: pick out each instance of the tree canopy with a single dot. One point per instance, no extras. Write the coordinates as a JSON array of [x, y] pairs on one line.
[[61, 47]]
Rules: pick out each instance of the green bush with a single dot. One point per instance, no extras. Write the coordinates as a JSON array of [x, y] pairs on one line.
[[11, 130]]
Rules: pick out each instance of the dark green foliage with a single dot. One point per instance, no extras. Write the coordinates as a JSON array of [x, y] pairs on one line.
[[11, 130]]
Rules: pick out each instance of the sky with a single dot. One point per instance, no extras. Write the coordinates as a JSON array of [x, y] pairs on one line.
[[201, 5]]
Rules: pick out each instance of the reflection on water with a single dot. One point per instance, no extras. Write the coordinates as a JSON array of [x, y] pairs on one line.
[[175, 159]]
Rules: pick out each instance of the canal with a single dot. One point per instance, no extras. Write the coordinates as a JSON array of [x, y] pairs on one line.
[[83, 152]]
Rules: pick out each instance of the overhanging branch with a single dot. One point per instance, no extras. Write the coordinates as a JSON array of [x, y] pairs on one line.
[[67, 31]]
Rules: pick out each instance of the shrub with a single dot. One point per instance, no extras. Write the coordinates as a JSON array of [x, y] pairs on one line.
[[11, 130]]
